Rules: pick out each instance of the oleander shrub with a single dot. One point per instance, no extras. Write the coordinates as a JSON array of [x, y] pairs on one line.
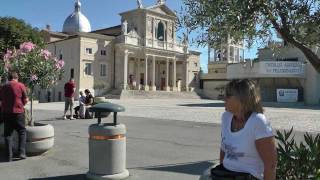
[[298, 160]]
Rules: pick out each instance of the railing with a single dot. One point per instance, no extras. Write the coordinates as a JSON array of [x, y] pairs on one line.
[[127, 39]]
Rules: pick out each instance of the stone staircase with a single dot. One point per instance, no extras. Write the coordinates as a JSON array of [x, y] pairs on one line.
[[140, 94], [114, 94]]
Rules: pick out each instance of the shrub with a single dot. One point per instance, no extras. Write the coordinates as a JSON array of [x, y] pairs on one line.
[[298, 160]]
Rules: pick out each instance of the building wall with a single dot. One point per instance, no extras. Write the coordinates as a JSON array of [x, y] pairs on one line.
[[193, 70], [311, 83], [95, 82], [70, 54], [214, 89]]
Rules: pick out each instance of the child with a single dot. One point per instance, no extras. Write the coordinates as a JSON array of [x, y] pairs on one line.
[[82, 109]]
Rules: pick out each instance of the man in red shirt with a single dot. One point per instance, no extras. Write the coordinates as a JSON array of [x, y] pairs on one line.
[[13, 97], [69, 89]]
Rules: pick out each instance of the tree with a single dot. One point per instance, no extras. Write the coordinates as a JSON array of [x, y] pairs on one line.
[[14, 32], [35, 66], [296, 21]]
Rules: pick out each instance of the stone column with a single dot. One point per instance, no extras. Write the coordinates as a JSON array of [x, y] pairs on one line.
[[167, 88], [187, 75], [138, 85], [174, 75], [153, 86], [146, 86], [125, 69]]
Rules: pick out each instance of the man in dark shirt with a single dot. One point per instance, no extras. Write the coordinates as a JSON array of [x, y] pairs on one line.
[[88, 103], [69, 90], [13, 97]]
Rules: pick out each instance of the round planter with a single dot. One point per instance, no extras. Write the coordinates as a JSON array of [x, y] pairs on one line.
[[40, 138], [100, 100]]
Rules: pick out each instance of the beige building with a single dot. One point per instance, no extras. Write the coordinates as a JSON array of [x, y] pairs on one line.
[[142, 53], [285, 69]]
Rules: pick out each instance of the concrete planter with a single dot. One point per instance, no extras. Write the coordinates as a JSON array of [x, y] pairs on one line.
[[100, 100], [40, 138]]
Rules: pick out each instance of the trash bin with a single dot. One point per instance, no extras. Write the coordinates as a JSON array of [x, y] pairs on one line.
[[107, 145]]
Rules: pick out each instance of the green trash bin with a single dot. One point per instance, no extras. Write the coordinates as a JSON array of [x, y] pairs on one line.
[[107, 145]]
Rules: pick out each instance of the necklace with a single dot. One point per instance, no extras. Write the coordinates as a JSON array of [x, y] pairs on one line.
[[236, 125]]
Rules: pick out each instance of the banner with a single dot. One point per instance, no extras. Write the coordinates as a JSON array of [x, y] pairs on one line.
[[287, 95], [281, 67]]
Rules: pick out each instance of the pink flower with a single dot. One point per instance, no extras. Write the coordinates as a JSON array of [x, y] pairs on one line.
[[8, 55], [33, 77], [27, 47], [45, 53], [59, 64], [7, 66]]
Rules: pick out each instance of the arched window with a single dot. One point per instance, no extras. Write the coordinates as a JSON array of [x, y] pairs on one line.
[[160, 32]]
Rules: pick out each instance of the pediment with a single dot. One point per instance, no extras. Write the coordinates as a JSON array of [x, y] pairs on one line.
[[162, 9]]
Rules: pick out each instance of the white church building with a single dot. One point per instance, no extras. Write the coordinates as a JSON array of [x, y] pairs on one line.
[[143, 53]]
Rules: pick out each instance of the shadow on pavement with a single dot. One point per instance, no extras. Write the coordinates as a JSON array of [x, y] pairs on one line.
[[67, 177], [203, 105], [290, 105], [193, 168]]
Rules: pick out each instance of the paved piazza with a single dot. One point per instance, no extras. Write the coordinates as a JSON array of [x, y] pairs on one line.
[[302, 118]]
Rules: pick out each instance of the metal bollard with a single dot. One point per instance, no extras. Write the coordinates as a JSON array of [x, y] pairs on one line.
[[107, 146]]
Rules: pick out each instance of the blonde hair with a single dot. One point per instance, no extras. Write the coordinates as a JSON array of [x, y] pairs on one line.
[[247, 92]]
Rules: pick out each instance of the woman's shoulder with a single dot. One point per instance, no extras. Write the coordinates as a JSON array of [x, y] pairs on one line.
[[259, 118], [226, 116]]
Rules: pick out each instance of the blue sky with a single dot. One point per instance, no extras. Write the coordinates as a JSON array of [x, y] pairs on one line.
[[101, 14]]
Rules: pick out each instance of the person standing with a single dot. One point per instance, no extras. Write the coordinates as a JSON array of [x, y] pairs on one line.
[[69, 90], [13, 97]]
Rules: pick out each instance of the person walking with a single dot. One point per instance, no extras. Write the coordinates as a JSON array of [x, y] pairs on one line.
[[13, 97], [69, 91]]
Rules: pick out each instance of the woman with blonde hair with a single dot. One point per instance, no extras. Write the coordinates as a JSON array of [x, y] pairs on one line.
[[247, 143]]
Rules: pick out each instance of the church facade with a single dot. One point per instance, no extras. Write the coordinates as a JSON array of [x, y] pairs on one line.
[[142, 53]]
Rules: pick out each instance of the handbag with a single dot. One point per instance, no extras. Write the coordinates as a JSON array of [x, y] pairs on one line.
[[221, 173]]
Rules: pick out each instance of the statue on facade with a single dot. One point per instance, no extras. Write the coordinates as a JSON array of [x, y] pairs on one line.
[[139, 2], [160, 2], [124, 27], [185, 39]]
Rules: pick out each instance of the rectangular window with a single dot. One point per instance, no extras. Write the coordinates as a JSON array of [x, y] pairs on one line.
[[72, 73], [88, 69], [59, 96], [60, 54], [89, 50], [103, 52], [103, 70]]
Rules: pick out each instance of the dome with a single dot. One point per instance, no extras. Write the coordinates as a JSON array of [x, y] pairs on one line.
[[76, 22]]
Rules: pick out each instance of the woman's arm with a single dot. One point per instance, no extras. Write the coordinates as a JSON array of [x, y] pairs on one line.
[[221, 156], [267, 150]]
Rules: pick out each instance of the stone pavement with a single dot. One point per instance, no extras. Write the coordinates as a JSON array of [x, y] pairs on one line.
[[156, 149], [166, 139], [282, 116]]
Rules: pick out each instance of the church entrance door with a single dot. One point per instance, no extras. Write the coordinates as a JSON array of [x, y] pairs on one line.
[[163, 83]]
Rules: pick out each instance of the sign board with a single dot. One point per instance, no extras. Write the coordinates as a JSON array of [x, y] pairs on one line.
[[287, 95], [281, 67]]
